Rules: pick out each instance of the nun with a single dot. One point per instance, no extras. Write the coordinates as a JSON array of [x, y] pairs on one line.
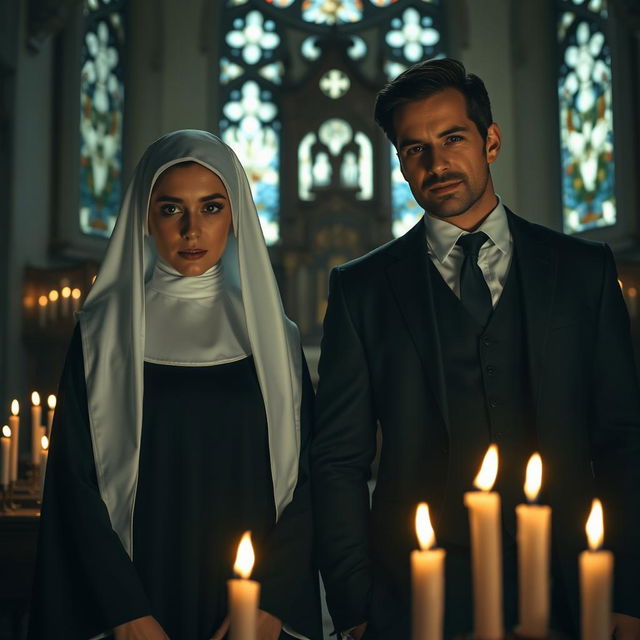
[[183, 420]]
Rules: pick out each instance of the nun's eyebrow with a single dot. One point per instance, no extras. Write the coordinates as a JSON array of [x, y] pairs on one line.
[[213, 196]]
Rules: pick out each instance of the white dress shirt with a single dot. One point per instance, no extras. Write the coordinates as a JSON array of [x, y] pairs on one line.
[[495, 254]]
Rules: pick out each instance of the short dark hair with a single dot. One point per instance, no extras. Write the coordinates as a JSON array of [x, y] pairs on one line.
[[427, 78]]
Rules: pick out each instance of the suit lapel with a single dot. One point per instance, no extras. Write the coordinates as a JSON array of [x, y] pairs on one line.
[[537, 267], [410, 280]]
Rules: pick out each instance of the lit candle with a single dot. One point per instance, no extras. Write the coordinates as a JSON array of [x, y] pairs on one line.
[[51, 402], [14, 425], [427, 581], [534, 524], [53, 306], [5, 441], [75, 297], [44, 456], [243, 594], [43, 301], [596, 575], [486, 550], [36, 427], [66, 295], [632, 301]]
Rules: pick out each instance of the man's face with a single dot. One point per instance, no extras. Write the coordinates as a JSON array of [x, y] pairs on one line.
[[444, 158]]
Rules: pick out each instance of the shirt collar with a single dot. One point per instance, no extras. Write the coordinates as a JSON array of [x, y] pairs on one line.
[[442, 235]]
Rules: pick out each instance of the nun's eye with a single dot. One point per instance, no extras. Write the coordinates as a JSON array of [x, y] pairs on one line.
[[212, 207], [169, 209]]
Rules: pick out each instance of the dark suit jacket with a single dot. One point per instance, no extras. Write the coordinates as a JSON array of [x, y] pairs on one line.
[[381, 361]]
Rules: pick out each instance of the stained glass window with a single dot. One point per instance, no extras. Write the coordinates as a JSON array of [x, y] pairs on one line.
[[586, 117], [101, 114], [253, 61]]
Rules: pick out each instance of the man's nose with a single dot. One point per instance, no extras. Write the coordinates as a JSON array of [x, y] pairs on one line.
[[437, 161]]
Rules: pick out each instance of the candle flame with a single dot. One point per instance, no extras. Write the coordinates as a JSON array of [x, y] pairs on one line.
[[53, 295], [534, 477], [44, 442], [424, 530], [43, 301], [6, 431], [595, 526], [76, 293], [15, 407], [66, 292], [245, 556], [35, 399], [632, 292], [489, 470], [51, 401]]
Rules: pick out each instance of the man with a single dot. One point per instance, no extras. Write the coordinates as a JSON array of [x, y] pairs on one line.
[[475, 327]]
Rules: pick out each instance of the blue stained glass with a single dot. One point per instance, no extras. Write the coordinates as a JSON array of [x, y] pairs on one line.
[[101, 114], [332, 11], [586, 125]]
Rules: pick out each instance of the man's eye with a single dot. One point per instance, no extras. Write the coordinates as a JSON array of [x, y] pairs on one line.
[[454, 138], [169, 209], [411, 151]]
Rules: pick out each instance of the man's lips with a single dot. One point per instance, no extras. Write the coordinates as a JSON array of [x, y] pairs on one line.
[[192, 254], [440, 188]]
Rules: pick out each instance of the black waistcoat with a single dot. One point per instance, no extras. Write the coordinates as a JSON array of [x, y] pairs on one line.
[[488, 400]]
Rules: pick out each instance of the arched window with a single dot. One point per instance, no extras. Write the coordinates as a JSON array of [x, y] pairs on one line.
[[270, 46], [586, 116], [101, 115]]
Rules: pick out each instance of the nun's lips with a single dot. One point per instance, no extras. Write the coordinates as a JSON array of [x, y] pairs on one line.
[[192, 254]]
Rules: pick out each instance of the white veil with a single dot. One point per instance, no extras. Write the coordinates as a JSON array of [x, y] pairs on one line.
[[112, 323]]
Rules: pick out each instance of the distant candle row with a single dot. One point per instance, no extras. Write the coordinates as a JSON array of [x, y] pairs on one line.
[[58, 304], [10, 440], [533, 538]]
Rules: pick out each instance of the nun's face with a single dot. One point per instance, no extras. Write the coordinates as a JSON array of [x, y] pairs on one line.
[[190, 218]]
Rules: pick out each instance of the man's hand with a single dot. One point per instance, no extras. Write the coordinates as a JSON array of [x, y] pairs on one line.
[[625, 627], [146, 628], [269, 627]]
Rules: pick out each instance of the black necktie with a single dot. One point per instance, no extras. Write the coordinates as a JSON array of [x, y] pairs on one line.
[[474, 292]]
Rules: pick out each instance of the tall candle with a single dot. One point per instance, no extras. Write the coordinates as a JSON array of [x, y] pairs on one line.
[[44, 457], [51, 402], [534, 523], [75, 298], [14, 425], [486, 550], [243, 594], [43, 301], [36, 427], [5, 456], [53, 304], [65, 294], [427, 581], [596, 576]]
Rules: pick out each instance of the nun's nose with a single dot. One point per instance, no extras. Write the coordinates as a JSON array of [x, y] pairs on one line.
[[190, 226]]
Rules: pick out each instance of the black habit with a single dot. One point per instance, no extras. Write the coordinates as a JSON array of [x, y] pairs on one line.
[[204, 478]]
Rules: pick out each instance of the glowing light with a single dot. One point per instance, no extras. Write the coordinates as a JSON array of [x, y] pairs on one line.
[[424, 530], [489, 470], [35, 399], [595, 526], [245, 556], [76, 293], [51, 401], [44, 442], [6, 432], [66, 292], [43, 301], [533, 481], [53, 295], [15, 407]]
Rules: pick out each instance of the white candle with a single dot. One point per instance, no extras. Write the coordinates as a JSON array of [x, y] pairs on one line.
[[53, 304], [14, 425], [44, 456], [51, 402], [244, 594], [427, 581], [596, 577], [534, 524], [43, 301], [5, 457], [75, 299], [486, 550], [65, 295], [36, 427]]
